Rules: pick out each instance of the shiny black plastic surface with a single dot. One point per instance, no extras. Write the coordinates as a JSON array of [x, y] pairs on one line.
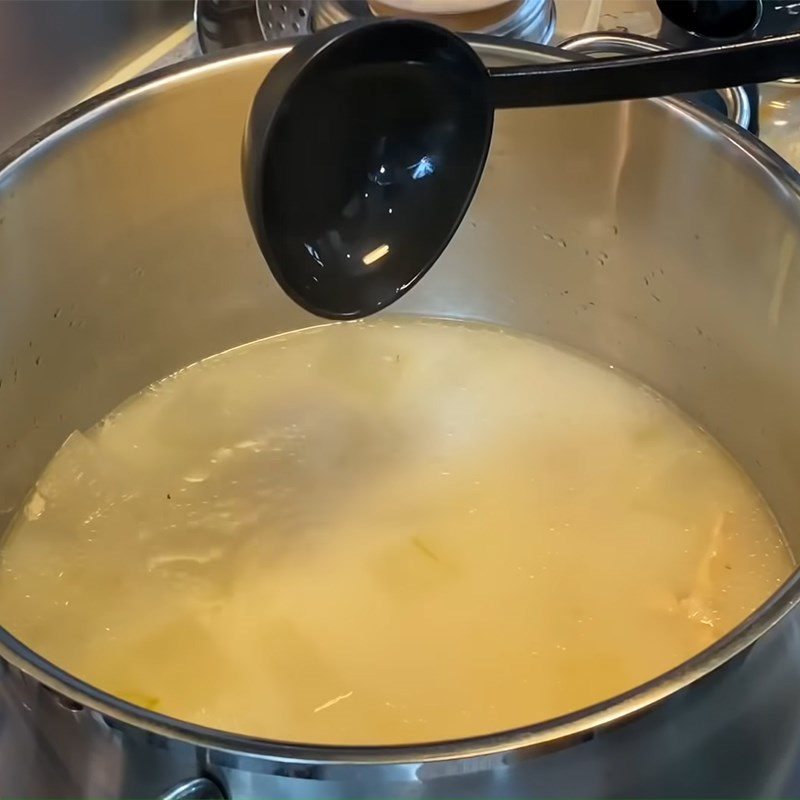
[[363, 150]]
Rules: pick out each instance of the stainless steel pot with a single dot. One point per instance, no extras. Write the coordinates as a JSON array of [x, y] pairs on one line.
[[647, 233]]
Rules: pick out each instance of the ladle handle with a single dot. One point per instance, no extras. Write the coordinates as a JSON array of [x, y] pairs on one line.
[[653, 75]]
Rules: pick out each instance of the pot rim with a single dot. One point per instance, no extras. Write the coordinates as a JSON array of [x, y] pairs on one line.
[[547, 735]]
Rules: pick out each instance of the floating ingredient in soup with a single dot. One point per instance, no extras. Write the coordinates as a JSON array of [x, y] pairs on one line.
[[384, 532]]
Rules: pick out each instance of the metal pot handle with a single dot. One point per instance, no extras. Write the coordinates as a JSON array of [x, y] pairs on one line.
[[194, 789], [736, 100]]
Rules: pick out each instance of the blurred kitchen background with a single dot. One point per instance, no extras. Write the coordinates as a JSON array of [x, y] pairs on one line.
[[55, 53]]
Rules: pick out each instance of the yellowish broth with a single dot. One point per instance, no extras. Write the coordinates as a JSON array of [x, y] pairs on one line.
[[386, 532]]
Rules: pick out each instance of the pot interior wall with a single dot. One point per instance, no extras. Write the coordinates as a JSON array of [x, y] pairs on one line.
[[632, 231]]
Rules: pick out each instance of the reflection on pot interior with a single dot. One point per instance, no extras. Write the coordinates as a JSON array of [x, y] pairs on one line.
[[387, 531]]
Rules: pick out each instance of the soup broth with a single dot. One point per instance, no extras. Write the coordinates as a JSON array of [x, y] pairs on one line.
[[386, 531]]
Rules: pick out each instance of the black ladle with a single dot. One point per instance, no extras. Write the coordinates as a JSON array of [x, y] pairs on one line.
[[366, 142]]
